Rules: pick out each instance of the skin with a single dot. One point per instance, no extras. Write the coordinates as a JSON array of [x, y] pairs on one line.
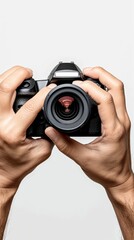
[[109, 153], [18, 155], [106, 160]]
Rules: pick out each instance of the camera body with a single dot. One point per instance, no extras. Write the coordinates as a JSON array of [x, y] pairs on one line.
[[67, 107]]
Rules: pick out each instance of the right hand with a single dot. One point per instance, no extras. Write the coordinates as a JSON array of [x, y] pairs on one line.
[[18, 154]]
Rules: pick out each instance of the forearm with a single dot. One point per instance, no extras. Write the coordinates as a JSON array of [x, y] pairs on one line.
[[122, 199], [6, 197]]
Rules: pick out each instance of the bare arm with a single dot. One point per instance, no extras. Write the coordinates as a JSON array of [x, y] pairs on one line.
[[122, 199], [6, 197], [18, 154], [106, 160]]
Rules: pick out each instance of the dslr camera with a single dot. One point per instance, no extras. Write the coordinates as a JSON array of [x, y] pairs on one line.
[[67, 107]]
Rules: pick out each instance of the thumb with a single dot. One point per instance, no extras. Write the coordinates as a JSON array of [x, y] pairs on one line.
[[68, 146]]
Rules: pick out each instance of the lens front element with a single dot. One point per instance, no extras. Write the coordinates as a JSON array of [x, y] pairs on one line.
[[66, 103], [67, 107]]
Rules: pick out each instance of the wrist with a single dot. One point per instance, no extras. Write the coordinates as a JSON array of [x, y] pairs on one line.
[[123, 193], [122, 199]]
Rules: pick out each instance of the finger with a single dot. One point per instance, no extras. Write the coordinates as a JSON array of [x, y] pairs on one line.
[[9, 85], [70, 147], [8, 72], [115, 86], [106, 108], [28, 112]]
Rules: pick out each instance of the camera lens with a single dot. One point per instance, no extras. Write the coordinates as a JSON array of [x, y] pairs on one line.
[[67, 107]]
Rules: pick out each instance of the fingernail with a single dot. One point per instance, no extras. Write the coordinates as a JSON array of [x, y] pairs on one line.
[[50, 132], [52, 85], [77, 82]]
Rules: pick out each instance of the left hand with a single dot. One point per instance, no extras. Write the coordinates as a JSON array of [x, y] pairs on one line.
[[107, 160]]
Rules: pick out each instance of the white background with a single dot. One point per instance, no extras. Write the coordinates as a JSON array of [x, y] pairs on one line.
[[57, 201]]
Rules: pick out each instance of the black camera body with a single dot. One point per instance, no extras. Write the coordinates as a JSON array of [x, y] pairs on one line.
[[67, 107]]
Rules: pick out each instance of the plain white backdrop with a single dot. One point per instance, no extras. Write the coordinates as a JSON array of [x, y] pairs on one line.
[[57, 201]]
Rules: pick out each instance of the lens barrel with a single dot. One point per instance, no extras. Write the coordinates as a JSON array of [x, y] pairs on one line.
[[67, 108]]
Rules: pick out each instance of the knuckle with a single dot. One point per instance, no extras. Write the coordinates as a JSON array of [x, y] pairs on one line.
[[118, 133], [128, 123], [9, 139], [11, 136], [12, 140], [63, 147], [47, 153], [23, 71], [85, 164], [119, 85], [4, 87], [107, 98], [98, 69]]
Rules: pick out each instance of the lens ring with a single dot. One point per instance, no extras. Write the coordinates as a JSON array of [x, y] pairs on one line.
[[84, 105]]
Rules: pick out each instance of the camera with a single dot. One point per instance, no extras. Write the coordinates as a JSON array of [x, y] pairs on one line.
[[67, 107]]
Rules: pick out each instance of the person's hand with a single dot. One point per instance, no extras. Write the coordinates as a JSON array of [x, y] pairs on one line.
[[106, 160], [18, 154]]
